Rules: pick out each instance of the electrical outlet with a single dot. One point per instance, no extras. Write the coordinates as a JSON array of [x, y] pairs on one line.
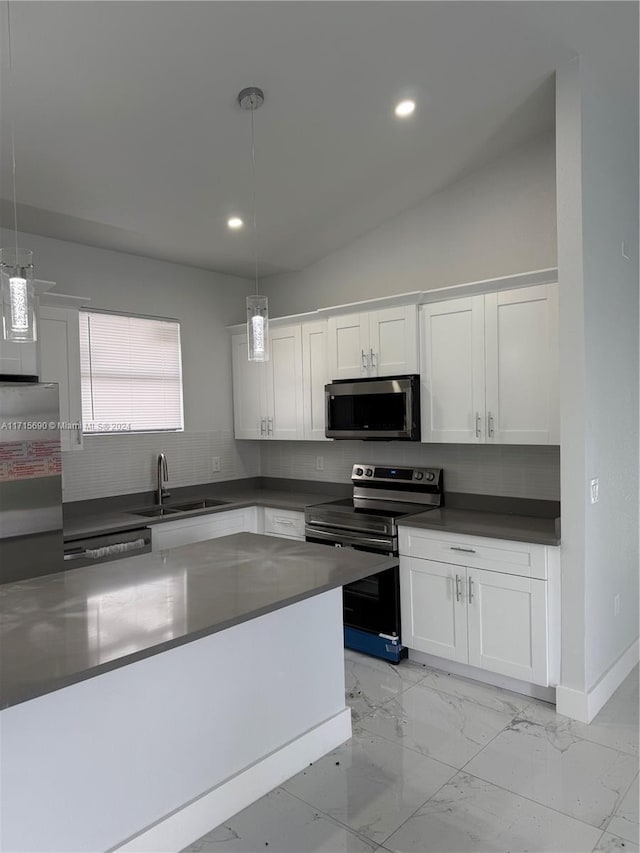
[[319, 463], [594, 490], [616, 605], [215, 464]]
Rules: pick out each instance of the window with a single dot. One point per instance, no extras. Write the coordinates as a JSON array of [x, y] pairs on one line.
[[131, 373]]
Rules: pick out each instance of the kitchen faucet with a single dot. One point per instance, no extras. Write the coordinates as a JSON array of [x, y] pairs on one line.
[[163, 477]]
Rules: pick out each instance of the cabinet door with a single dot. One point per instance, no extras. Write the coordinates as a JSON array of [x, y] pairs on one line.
[[521, 339], [249, 403], [433, 608], [20, 359], [452, 371], [173, 534], [393, 341], [348, 343], [507, 618], [315, 376], [284, 384], [59, 344]]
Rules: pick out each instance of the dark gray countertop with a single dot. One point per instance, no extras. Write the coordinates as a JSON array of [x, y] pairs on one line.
[[520, 528], [114, 521], [63, 628]]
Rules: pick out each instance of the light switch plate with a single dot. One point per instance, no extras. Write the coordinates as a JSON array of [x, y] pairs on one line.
[[594, 490]]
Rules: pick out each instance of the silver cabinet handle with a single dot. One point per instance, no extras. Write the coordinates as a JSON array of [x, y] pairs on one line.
[[466, 550], [490, 425], [269, 426], [478, 425], [470, 590], [374, 357], [458, 587], [79, 435], [263, 426], [365, 360]]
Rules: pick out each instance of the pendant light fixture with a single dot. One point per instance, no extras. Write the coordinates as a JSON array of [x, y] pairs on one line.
[[16, 265], [252, 99]]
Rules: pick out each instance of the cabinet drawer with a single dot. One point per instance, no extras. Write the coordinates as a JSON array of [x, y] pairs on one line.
[[284, 522], [498, 555]]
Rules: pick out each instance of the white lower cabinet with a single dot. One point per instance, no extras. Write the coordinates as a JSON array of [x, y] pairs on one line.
[[186, 531], [434, 618], [495, 620], [507, 624]]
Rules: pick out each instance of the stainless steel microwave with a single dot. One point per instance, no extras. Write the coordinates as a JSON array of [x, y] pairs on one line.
[[381, 408]]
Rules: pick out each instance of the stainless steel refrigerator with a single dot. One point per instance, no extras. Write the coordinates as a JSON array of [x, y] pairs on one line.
[[31, 540]]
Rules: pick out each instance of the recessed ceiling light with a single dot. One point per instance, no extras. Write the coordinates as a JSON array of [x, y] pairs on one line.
[[235, 222], [405, 108]]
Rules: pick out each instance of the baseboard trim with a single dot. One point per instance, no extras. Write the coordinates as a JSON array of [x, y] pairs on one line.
[[187, 824], [536, 691], [583, 705]]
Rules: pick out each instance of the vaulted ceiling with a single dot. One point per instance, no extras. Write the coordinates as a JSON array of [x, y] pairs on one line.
[[128, 134]]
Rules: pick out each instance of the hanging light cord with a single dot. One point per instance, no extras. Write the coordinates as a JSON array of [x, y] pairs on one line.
[[253, 193], [13, 145]]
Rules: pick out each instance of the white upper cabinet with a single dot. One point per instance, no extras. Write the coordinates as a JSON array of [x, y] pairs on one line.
[[315, 376], [249, 399], [373, 343], [18, 359], [267, 396], [490, 368], [59, 348], [348, 346], [521, 344], [393, 342], [284, 383], [452, 371]]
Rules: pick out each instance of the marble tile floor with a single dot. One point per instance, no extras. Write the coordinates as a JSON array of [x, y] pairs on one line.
[[441, 764]]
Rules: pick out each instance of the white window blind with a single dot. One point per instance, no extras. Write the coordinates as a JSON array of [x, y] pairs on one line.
[[131, 373]]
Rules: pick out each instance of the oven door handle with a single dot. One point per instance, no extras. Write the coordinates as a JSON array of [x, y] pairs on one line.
[[349, 540], [323, 525]]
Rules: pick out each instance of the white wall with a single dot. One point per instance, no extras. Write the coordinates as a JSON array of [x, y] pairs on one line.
[[597, 133], [496, 221], [204, 302], [610, 215]]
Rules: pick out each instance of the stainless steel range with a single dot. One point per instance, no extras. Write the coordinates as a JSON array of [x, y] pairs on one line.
[[369, 522]]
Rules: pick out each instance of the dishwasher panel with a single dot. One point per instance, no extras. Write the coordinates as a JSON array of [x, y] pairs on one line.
[[106, 546]]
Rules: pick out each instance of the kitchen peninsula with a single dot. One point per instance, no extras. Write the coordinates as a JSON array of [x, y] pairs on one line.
[[145, 700]]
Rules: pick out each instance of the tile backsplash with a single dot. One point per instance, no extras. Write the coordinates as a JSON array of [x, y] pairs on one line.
[[122, 464], [490, 469]]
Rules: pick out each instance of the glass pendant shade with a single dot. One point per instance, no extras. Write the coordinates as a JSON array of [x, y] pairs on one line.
[[18, 298], [258, 328]]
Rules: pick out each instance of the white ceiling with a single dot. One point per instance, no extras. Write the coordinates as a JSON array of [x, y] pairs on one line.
[[128, 134]]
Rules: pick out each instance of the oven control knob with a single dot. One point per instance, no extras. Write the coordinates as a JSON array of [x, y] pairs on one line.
[[418, 475], [369, 472], [359, 472], [431, 476]]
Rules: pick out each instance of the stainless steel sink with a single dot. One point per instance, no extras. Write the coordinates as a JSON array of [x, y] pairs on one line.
[[172, 509], [203, 503], [156, 511]]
